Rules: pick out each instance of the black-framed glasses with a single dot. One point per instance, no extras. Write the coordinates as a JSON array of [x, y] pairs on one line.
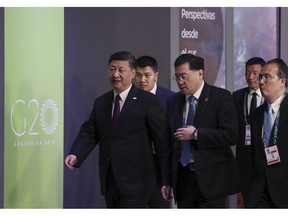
[[182, 77], [266, 76]]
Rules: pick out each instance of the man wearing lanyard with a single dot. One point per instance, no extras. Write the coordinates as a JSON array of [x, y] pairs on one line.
[[269, 124], [246, 100]]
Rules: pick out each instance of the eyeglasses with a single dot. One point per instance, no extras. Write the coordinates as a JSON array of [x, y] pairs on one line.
[[266, 76], [182, 77]]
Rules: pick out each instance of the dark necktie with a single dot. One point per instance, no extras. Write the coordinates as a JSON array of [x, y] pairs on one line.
[[116, 110], [253, 102], [253, 106], [267, 125], [186, 144]]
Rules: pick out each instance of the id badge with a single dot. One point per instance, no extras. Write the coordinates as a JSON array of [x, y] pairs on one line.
[[272, 155], [247, 135]]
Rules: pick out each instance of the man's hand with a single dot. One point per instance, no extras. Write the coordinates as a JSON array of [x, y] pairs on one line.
[[70, 160], [166, 193], [184, 133]]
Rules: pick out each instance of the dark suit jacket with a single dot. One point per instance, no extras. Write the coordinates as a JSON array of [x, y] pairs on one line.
[[276, 175], [243, 153], [163, 94], [216, 121], [127, 147]]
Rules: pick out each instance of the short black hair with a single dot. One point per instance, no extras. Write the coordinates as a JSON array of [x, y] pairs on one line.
[[195, 62], [254, 61], [282, 68], [147, 61], [123, 55]]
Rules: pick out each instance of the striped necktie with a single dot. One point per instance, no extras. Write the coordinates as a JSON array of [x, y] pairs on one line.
[[116, 110], [268, 123], [185, 157]]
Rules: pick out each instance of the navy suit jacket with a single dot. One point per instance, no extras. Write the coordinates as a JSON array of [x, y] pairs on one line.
[[126, 148], [163, 95], [216, 121], [275, 175]]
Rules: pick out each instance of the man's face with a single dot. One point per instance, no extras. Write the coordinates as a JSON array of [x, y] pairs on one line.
[[145, 78], [251, 75], [271, 85], [120, 75], [188, 81]]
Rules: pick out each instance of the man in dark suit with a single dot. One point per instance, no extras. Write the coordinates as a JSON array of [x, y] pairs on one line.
[[146, 79], [202, 164], [269, 187], [246, 100], [126, 162]]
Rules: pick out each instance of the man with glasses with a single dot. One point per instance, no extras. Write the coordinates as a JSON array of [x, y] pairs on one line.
[[269, 126], [201, 130], [246, 100], [146, 78], [123, 122]]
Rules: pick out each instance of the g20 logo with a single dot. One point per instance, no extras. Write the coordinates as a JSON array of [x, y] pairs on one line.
[[48, 114]]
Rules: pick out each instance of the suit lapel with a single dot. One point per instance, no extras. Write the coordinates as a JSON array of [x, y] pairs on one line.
[[109, 105], [160, 94], [283, 111], [282, 137], [282, 120], [129, 103], [259, 119], [181, 102], [244, 102], [202, 103]]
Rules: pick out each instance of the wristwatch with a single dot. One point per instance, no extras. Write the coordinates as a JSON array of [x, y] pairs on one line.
[[194, 135]]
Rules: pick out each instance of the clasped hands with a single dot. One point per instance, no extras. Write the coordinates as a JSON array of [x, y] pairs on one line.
[[185, 133]]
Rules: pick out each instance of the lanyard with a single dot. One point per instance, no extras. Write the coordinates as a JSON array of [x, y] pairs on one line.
[[245, 107], [275, 133], [276, 127]]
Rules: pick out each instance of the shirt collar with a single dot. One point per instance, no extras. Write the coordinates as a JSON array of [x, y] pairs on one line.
[[258, 92], [276, 104], [197, 93], [123, 94], [154, 89]]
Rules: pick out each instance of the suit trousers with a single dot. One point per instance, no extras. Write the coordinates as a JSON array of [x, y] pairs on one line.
[[156, 199], [116, 199], [265, 200], [188, 192]]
